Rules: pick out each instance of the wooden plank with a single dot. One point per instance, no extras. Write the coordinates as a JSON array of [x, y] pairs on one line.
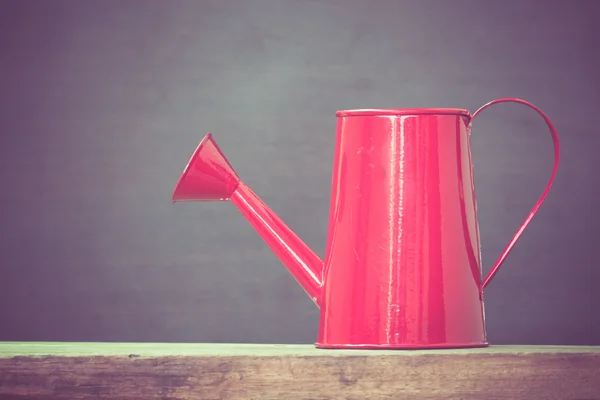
[[244, 371]]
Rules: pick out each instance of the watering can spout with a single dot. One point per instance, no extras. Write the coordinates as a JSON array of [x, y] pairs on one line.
[[209, 176]]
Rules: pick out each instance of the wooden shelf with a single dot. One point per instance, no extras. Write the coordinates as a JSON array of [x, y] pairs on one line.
[[242, 371]]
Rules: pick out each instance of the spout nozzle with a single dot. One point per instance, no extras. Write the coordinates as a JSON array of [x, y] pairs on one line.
[[207, 176]]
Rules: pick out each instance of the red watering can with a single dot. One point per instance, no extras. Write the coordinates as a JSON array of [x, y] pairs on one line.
[[403, 265]]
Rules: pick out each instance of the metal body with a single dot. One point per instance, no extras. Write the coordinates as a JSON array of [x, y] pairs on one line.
[[403, 265]]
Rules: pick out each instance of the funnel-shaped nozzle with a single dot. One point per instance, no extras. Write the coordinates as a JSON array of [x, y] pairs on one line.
[[207, 176]]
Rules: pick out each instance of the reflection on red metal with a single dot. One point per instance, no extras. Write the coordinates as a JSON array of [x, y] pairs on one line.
[[403, 265]]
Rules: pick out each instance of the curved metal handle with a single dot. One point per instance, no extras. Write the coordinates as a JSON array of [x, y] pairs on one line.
[[538, 204]]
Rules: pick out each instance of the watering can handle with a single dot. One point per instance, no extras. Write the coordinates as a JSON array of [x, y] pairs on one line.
[[538, 204]]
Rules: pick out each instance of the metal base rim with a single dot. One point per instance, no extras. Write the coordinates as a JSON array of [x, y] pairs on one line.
[[436, 346]]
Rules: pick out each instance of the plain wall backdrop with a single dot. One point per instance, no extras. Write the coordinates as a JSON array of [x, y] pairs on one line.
[[103, 102]]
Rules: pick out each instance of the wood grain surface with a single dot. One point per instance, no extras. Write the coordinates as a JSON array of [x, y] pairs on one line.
[[241, 371]]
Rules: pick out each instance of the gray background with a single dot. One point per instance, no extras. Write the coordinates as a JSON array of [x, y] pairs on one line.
[[103, 102]]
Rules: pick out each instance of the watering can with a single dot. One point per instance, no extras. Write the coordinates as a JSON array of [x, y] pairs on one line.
[[402, 268]]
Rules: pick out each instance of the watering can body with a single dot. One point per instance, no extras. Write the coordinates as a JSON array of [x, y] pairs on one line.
[[402, 267]]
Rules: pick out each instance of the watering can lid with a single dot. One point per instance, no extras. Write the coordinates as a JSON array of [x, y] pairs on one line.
[[403, 111]]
